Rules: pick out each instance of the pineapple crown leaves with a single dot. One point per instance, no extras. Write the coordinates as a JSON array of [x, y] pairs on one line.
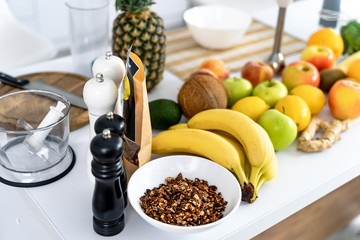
[[133, 6]]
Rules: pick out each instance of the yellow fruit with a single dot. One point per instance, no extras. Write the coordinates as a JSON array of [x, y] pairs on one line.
[[313, 96], [354, 70], [252, 106], [178, 126], [210, 145], [344, 64], [295, 108], [253, 138], [329, 38]]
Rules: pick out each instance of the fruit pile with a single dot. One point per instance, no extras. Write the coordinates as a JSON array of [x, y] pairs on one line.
[[239, 122], [297, 97]]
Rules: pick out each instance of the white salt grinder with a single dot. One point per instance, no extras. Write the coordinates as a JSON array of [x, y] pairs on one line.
[[100, 96], [110, 66], [34, 141]]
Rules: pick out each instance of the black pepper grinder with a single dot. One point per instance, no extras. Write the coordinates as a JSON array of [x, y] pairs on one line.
[[108, 201], [116, 124]]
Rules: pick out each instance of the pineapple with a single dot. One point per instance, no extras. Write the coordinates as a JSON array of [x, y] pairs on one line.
[[139, 27]]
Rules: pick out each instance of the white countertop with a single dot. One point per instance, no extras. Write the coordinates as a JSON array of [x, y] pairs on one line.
[[62, 210]]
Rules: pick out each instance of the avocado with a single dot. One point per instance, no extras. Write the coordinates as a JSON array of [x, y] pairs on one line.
[[329, 76], [164, 113]]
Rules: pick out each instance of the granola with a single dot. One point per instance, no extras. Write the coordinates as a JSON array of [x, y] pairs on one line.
[[184, 202]]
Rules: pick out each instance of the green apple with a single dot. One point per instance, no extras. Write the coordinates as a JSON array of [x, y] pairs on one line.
[[281, 129], [237, 88], [270, 91]]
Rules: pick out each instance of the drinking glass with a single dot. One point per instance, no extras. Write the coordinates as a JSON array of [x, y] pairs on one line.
[[89, 32]]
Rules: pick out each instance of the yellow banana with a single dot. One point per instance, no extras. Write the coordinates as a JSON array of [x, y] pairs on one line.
[[344, 64], [268, 175], [203, 143], [240, 150], [178, 126], [267, 166], [237, 145], [255, 141], [270, 153], [267, 171]]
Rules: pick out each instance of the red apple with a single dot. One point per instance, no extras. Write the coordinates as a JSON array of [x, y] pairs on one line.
[[344, 99], [257, 72], [320, 56], [298, 73]]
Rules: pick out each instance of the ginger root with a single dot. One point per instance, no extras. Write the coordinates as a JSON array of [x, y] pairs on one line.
[[331, 133]]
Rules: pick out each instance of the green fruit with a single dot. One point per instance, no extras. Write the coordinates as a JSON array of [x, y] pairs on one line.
[[329, 76], [270, 91], [281, 129], [236, 88], [164, 113]]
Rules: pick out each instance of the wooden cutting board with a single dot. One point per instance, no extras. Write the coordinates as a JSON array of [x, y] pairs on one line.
[[184, 55], [70, 82]]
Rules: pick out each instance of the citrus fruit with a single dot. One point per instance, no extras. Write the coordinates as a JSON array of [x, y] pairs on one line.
[[217, 66], [329, 38], [313, 96], [252, 106], [295, 108], [354, 70], [164, 113]]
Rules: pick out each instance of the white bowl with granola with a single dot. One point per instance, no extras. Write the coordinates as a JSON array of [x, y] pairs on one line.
[[182, 193]]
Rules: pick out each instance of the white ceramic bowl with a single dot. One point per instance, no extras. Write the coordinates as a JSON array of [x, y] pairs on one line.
[[153, 173], [216, 27]]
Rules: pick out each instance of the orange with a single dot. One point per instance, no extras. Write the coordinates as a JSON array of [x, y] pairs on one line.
[[354, 70], [313, 96], [295, 108], [251, 106], [329, 38], [217, 66]]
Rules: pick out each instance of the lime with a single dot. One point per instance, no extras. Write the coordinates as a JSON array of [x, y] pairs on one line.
[[164, 113]]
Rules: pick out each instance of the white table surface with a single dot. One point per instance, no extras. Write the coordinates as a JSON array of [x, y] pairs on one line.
[[62, 210]]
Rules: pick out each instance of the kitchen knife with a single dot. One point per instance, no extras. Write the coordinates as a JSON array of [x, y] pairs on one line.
[[41, 85]]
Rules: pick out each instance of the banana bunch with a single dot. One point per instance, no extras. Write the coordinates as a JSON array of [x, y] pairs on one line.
[[228, 138]]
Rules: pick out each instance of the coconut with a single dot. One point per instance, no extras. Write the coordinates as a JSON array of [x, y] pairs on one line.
[[201, 92], [203, 71]]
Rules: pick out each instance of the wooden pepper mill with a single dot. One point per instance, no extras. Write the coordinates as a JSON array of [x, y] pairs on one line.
[[116, 124], [108, 201]]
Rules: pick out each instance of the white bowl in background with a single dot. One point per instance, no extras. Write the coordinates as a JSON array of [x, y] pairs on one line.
[[153, 173], [216, 26]]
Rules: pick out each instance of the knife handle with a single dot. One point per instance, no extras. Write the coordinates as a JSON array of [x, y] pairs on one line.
[[12, 81]]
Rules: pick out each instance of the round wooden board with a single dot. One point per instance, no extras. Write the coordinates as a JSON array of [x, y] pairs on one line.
[[70, 82]]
